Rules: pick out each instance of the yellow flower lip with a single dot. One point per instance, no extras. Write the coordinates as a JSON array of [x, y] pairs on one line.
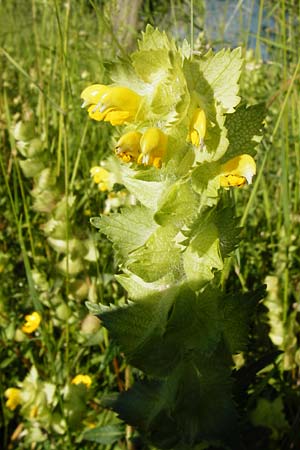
[[238, 171], [128, 146], [13, 396], [82, 379], [197, 129], [32, 322], [153, 147], [114, 104]]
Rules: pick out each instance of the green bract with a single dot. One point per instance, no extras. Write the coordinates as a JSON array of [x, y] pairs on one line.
[[178, 326]]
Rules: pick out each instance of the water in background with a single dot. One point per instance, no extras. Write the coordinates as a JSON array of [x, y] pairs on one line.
[[235, 22]]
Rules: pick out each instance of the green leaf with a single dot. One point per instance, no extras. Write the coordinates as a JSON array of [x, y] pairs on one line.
[[158, 256], [228, 230], [106, 435], [142, 186], [178, 206], [202, 256], [206, 182], [236, 311], [151, 65], [270, 414], [147, 406], [222, 71], [129, 229], [138, 328], [191, 405], [138, 289], [202, 95], [153, 39], [244, 130], [194, 322]]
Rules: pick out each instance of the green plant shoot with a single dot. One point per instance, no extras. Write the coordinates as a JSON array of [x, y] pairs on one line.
[[182, 139]]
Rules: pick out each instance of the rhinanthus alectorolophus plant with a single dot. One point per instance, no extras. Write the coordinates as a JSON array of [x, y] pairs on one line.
[[182, 138]]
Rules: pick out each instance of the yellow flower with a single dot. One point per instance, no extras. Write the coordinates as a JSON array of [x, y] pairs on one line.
[[114, 104], [128, 146], [197, 128], [32, 322], [238, 171], [153, 147], [102, 177], [82, 379], [13, 396]]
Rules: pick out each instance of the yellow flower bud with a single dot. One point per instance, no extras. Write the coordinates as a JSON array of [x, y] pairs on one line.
[[32, 322], [238, 171], [128, 146], [197, 128], [82, 379], [153, 147], [13, 396], [114, 104]]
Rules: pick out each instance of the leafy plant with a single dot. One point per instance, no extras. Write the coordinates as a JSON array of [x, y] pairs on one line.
[[192, 140]]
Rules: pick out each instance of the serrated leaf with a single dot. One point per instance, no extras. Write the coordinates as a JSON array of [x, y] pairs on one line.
[[178, 206], [194, 322], [222, 71], [153, 39], [193, 404], [138, 289], [270, 414], [237, 310], [128, 229], [244, 130], [202, 95], [158, 256], [106, 435], [145, 190], [138, 328], [147, 406], [151, 65], [228, 230], [205, 181], [202, 257]]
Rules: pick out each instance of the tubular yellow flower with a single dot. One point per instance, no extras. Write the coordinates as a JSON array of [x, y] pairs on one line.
[[13, 396], [114, 104], [197, 128], [153, 147], [32, 322], [82, 379], [102, 177], [128, 146], [238, 171]]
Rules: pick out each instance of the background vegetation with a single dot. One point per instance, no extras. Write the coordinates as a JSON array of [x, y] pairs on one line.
[[52, 260]]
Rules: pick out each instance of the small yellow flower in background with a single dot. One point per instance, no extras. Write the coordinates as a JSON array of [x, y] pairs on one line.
[[197, 128], [153, 147], [114, 104], [13, 396], [128, 146], [102, 177], [238, 171], [32, 322], [82, 379]]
